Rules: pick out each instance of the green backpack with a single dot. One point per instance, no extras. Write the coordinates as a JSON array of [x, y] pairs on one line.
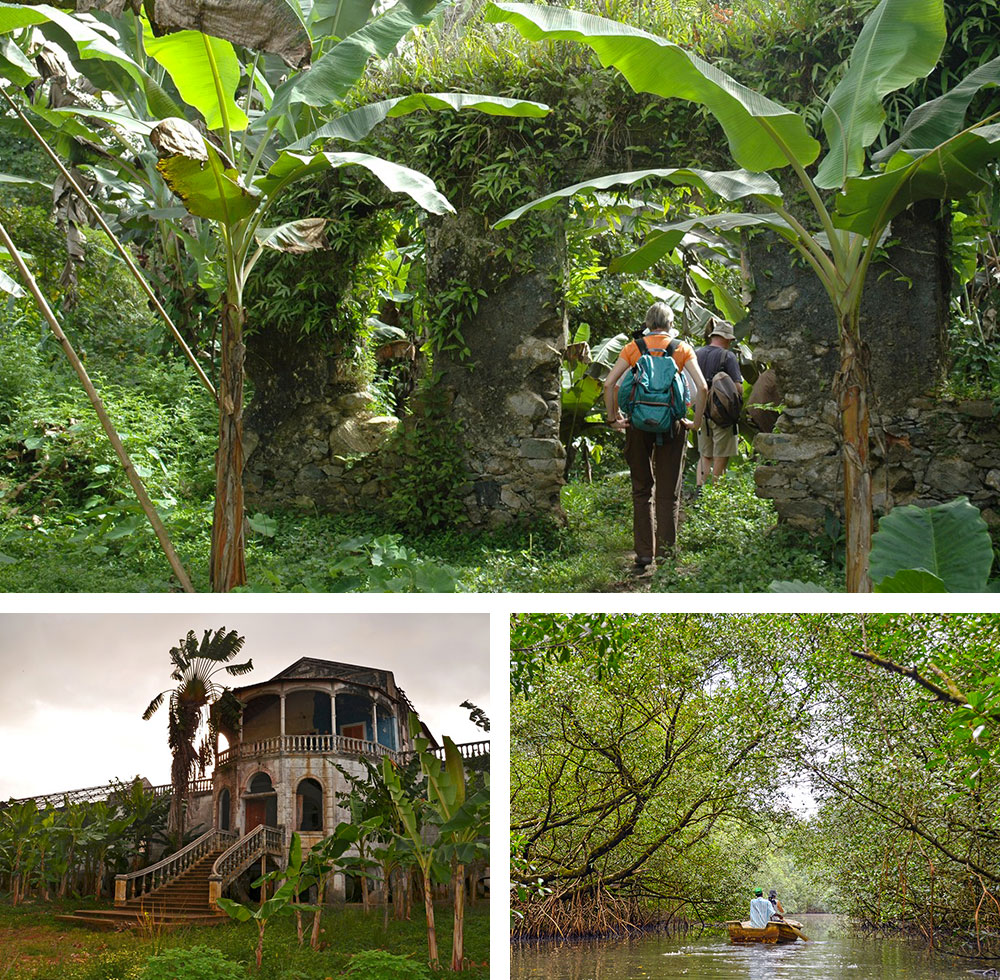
[[653, 394]]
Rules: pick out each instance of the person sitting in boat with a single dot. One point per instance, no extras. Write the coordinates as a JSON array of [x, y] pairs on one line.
[[760, 910], [777, 911]]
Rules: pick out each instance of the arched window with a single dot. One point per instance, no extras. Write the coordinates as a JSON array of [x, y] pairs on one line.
[[224, 810], [261, 783], [309, 805]]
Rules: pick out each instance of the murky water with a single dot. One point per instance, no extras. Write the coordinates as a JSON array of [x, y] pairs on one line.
[[833, 951]]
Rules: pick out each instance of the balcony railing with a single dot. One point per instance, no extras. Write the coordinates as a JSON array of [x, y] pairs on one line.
[[305, 745]]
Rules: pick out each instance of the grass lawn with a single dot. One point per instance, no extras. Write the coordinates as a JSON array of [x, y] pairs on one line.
[[34, 946]]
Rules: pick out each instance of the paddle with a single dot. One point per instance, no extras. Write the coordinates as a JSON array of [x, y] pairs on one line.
[[797, 932]]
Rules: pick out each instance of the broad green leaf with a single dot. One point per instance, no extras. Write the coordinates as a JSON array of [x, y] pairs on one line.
[[334, 74], [9, 285], [89, 42], [582, 396], [911, 580], [663, 239], [304, 235], [234, 910], [946, 172], [358, 123], [194, 171], [760, 132], [795, 586], [290, 167], [118, 119], [23, 182], [728, 184], [950, 541], [14, 66], [338, 18], [942, 118], [900, 42], [201, 67], [665, 294], [455, 768], [608, 351]]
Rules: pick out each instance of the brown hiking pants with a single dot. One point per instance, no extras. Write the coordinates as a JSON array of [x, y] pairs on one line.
[[656, 488]]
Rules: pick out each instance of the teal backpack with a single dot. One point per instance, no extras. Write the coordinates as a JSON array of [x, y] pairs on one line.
[[653, 394]]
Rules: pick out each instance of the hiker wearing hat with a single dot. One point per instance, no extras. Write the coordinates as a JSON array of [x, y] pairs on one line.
[[655, 458], [721, 368], [760, 910]]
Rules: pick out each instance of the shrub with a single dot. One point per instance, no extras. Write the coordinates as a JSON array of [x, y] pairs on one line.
[[376, 964], [196, 963]]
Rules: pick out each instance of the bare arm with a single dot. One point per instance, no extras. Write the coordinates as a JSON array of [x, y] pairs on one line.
[[693, 369], [614, 417]]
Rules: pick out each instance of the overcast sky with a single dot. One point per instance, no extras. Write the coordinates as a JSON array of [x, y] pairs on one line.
[[73, 687]]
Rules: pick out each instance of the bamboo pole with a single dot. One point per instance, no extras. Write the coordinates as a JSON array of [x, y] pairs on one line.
[[120, 248], [95, 400]]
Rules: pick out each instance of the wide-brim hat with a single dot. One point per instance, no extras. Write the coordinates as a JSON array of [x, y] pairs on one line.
[[722, 329]]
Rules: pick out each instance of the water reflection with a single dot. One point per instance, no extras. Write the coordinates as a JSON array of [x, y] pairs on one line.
[[833, 952]]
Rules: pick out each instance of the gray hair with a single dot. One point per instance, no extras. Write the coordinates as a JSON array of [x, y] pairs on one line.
[[659, 317]]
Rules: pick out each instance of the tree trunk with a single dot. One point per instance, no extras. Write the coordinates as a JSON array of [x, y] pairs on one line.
[[458, 935], [261, 925], [851, 385], [228, 564], [432, 943], [318, 914]]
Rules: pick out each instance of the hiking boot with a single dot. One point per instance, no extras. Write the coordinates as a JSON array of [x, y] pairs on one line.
[[642, 564]]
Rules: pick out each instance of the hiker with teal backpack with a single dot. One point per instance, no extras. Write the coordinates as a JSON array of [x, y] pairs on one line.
[[656, 373]]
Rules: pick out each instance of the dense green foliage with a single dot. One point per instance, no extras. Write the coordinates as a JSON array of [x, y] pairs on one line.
[[847, 760], [75, 849], [36, 947]]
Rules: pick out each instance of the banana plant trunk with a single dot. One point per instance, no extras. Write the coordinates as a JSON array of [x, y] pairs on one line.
[[432, 943], [228, 565], [458, 933], [851, 386]]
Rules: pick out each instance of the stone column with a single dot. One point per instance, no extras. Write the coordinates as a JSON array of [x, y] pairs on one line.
[[506, 391], [375, 722], [333, 712], [282, 696]]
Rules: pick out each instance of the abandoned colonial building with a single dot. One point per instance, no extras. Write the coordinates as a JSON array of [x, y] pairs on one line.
[[278, 774]]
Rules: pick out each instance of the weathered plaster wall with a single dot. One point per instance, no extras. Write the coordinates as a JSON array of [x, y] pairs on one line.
[[924, 449]]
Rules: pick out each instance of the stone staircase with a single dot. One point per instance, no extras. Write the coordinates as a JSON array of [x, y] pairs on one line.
[[181, 901]]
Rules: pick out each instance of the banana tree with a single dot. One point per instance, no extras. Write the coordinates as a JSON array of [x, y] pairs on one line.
[[236, 175], [938, 157]]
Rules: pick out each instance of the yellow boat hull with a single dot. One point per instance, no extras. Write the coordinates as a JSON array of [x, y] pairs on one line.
[[773, 932]]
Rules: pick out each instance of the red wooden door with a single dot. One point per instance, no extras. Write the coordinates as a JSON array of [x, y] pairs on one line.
[[256, 813]]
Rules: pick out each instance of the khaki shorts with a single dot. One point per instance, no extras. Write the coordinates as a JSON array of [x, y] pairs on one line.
[[716, 440]]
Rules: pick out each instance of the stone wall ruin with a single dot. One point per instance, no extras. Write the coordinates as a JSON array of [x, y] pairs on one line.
[[925, 449]]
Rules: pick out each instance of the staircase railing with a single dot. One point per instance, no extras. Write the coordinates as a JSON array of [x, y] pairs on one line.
[[260, 842], [139, 883]]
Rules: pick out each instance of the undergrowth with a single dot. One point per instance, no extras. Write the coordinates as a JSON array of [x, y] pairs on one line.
[[34, 946]]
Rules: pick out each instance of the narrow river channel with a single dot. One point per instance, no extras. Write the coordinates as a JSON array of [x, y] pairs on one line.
[[833, 951]]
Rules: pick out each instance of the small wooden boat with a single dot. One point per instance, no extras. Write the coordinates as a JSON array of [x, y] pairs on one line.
[[773, 932]]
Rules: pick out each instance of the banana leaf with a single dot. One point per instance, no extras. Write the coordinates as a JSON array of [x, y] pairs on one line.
[[334, 74], [948, 172], [762, 134], [290, 167], [900, 42], [663, 239], [358, 123], [731, 185], [206, 72]]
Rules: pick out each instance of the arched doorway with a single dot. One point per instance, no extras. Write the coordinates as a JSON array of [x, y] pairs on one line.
[[309, 805], [261, 802]]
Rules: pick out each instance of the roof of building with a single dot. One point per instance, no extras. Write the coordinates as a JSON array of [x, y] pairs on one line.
[[312, 668]]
